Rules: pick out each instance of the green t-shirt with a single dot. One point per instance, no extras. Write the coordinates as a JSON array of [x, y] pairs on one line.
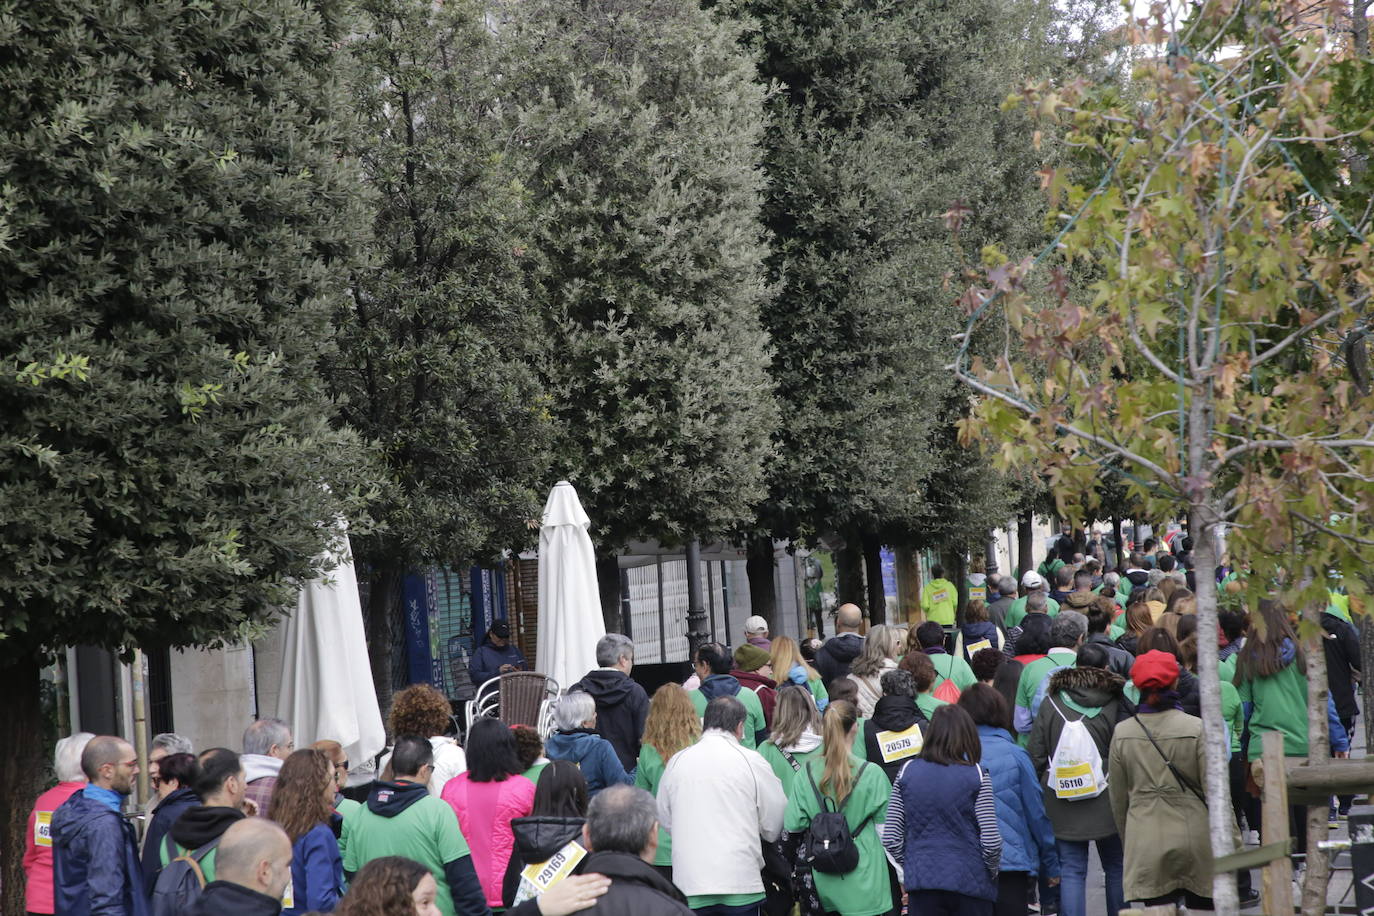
[[818, 691], [754, 723], [1017, 612], [782, 769], [648, 774], [1031, 676], [955, 669], [427, 832], [927, 703], [1280, 705], [939, 598], [701, 901], [865, 890], [1228, 668], [1232, 712], [532, 774]]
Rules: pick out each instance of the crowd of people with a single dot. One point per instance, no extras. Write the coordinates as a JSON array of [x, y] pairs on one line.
[[959, 767]]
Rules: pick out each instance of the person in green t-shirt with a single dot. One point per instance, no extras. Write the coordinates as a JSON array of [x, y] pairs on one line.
[[1034, 600], [401, 818], [672, 725], [939, 598], [1271, 675], [929, 638], [713, 664], [795, 737], [861, 791]]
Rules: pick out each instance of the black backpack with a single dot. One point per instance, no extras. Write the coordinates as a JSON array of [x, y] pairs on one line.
[[830, 845], [181, 881]]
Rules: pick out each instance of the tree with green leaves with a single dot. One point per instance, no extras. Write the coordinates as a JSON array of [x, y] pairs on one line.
[[641, 122], [1206, 361], [886, 127], [178, 220], [438, 347]]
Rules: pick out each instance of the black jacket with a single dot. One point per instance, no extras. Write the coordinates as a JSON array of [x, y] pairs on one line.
[[1342, 646], [201, 824], [537, 838], [164, 816], [1118, 658], [891, 714], [622, 707], [637, 888], [838, 653], [225, 898]]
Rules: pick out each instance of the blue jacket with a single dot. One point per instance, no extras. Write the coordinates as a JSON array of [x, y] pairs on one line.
[[1027, 836], [164, 816], [316, 872], [592, 753], [96, 871], [488, 659]]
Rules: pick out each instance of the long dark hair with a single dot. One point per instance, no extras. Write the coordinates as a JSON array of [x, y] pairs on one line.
[[561, 791], [1261, 656], [952, 738], [491, 751]]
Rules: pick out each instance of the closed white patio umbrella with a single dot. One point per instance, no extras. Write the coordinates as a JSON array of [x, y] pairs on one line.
[[326, 677], [569, 602]]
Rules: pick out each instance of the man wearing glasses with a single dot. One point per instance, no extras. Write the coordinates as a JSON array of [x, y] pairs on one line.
[[95, 853]]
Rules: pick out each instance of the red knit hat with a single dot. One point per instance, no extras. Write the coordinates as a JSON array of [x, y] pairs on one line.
[[1155, 670]]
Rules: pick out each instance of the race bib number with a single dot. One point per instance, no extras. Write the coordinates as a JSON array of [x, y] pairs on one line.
[[42, 829], [894, 746], [1074, 780], [979, 646], [940, 596], [288, 897], [978, 593], [544, 875]]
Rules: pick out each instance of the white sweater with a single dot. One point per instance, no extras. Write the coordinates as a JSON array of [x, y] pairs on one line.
[[716, 799]]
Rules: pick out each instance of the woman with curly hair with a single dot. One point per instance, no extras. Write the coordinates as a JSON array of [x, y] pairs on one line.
[[672, 725], [302, 804], [393, 886], [529, 747], [422, 710], [790, 667]]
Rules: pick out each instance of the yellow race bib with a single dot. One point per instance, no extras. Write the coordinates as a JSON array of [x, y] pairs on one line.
[[1074, 780], [544, 875], [978, 646], [894, 746], [42, 829]]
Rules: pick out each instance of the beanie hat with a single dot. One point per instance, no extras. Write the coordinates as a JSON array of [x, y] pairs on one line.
[[1155, 670], [750, 658]]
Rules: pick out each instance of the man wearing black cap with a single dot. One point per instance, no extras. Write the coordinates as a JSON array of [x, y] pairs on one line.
[[495, 655]]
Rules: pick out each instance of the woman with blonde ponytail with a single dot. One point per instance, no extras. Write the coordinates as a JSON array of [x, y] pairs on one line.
[[837, 780]]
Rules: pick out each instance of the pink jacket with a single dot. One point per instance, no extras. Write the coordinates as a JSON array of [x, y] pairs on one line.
[[38, 856], [485, 810]]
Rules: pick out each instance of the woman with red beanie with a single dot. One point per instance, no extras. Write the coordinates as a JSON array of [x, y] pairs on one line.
[[1156, 766]]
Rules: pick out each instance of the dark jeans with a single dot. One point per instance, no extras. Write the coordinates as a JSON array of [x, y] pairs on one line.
[[1012, 888], [1073, 863], [719, 909], [946, 903]]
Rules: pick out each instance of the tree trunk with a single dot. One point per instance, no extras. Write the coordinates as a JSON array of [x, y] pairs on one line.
[[22, 767], [761, 567], [1205, 521], [1318, 873], [849, 572], [1120, 544], [959, 561], [1025, 543], [385, 628], [873, 572], [909, 588], [608, 583], [1366, 625]]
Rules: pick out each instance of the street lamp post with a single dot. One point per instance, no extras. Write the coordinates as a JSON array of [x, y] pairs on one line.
[[697, 632]]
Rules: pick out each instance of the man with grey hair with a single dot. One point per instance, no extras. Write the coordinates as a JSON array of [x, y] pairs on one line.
[[716, 799], [38, 837], [622, 706], [621, 833], [576, 740], [1006, 596], [1066, 635], [266, 745]]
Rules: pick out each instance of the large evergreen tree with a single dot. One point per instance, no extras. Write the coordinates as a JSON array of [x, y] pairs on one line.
[[177, 213], [438, 347], [642, 119]]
